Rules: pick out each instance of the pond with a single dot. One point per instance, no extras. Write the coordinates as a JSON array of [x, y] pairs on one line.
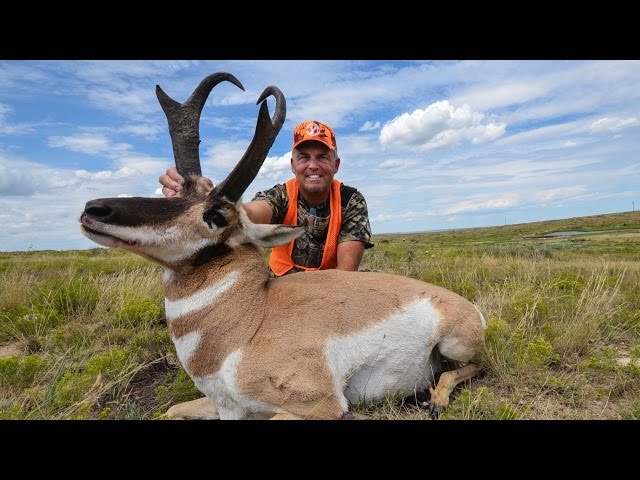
[[575, 232]]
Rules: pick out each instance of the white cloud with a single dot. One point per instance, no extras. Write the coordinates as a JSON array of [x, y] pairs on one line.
[[7, 128], [127, 162], [560, 193], [232, 124], [220, 159], [144, 130], [4, 109], [134, 102], [143, 165], [403, 217], [393, 164], [550, 131], [368, 126], [15, 179], [614, 124], [19, 177], [353, 146], [88, 143], [276, 168], [481, 203], [487, 97], [437, 126], [536, 90], [222, 156], [106, 174]]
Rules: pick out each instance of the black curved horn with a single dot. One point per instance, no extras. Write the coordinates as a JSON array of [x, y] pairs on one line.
[[266, 132], [184, 121]]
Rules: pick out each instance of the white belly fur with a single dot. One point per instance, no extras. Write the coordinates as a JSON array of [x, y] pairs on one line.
[[390, 357]]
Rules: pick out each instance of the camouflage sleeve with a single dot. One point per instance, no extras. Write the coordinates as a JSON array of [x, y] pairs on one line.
[[355, 221], [277, 199]]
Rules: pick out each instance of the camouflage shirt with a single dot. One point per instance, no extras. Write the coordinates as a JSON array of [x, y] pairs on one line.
[[309, 247]]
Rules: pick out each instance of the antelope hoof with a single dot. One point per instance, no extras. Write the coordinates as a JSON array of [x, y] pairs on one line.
[[200, 409], [437, 403], [435, 410]]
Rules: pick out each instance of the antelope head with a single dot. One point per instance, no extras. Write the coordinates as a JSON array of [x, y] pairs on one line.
[[200, 223]]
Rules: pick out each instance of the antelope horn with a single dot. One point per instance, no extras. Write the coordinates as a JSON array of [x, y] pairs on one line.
[[184, 121], [266, 132]]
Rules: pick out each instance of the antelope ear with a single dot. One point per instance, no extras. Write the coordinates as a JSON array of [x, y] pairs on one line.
[[264, 235], [272, 235]]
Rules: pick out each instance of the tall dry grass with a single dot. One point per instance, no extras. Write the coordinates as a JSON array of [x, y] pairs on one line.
[[563, 336]]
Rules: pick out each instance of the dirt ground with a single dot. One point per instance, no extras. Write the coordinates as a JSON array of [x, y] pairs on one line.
[[10, 350]]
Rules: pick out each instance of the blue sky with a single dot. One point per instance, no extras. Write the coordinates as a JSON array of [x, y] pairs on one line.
[[431, 145]]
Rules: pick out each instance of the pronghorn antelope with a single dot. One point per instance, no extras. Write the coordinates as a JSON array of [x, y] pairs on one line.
[[304, 345]]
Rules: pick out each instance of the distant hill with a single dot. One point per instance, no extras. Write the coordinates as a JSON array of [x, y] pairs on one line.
[[609, 221]]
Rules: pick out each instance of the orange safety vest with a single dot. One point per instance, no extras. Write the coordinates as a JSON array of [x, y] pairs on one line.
[[281, 261]]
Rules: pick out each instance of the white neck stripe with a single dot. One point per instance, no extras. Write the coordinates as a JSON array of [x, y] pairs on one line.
[[183, 306]]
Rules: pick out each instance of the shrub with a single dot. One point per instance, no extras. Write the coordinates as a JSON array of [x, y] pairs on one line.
[[138, 314], [23, 322], [180, 389], [479, 405], [18, 373], [73, 387], [74, 297]]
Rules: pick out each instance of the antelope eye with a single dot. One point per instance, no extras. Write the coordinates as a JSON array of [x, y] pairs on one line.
[[215, 217]]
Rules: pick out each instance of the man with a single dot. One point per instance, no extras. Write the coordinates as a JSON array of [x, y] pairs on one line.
[[335, 215]]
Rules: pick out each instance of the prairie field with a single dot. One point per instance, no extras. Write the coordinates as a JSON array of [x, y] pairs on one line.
[[83, 333]]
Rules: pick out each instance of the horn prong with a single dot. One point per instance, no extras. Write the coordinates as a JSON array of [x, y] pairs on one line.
[[267, 130], [184, 121]]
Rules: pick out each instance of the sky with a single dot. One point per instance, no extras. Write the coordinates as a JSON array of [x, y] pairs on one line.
[[431, 145]]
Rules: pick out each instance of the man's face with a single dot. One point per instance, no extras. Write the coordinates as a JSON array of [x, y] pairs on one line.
[[314, 165]]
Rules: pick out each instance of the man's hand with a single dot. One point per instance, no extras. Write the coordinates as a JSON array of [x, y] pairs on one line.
[[258, 211], [172, 182]]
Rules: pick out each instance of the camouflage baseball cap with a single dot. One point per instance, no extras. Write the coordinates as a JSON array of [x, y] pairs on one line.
[[314, 130]]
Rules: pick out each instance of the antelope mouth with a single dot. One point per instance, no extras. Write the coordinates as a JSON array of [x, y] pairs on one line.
[[101, 237]]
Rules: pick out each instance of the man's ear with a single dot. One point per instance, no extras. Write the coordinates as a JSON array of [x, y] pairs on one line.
[[337, 164]]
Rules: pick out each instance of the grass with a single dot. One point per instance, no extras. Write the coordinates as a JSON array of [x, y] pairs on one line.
[[563, 336]]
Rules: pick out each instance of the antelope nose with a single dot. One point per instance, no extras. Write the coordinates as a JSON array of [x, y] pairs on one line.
[[97, 210]]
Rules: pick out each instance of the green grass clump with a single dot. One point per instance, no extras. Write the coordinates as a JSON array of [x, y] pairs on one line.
[[71, 337], [100, 376], [138, 314], [151, 344], [19, 373], [512, 351], [177, 387], [606, 362], [479, 405], [72, 298], [631, 412], [25, 322]]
